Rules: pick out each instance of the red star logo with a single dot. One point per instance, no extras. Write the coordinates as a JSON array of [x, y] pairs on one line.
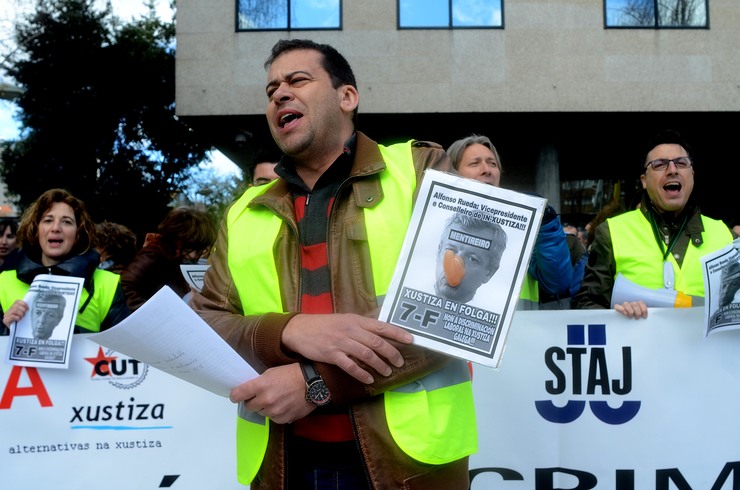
[[98, 366]]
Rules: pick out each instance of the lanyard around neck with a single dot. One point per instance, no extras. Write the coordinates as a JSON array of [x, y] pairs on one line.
[[668, 275], [658, 238]]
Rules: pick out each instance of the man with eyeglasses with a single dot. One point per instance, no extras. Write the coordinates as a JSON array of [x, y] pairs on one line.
[[659, 245]]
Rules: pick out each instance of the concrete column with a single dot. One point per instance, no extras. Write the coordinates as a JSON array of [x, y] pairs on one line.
[[547, 175]]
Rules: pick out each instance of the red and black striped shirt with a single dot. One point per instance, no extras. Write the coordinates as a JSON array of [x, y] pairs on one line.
[[312, 210]]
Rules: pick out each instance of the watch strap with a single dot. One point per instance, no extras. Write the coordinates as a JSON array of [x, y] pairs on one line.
[[316, 390], [309, 371]]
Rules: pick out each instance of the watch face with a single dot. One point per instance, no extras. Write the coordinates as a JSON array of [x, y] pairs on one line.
[[317, 393]]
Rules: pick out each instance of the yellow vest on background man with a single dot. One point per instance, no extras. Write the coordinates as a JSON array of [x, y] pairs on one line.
[[640, 260]]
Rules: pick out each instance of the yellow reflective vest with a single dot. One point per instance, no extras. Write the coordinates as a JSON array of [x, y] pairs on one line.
[[431, 419], [640, 260], [529, 298], [95, 311]]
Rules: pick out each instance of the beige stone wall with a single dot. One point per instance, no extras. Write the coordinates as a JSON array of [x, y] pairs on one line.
[[552, 55]]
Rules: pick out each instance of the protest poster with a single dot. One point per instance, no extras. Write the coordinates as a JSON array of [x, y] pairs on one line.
[[464, 258], [721, 271], [43, 337]]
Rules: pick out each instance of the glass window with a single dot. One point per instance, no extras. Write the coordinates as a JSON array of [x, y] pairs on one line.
[[288, 14], [445, 14], [656, 13]]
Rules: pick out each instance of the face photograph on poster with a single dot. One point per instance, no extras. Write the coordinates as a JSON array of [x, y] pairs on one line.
[[468, 255], [462, 264], [721, 271], [43, 337], [47, 313]]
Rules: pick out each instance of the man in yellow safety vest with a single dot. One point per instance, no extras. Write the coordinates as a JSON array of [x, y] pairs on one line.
[[298, 275], [660, 244]]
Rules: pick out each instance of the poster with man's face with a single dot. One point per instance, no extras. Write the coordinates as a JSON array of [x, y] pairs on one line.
[[468, 256], [47, 312], [462, 265], [721, 270], [43, 337]]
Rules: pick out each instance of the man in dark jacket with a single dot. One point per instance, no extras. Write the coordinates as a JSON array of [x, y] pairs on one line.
[[659, 245]]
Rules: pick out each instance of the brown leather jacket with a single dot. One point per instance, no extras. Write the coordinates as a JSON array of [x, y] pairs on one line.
[[258, 338]]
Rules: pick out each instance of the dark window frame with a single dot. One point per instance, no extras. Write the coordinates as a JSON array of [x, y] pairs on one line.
[[288, 28], [656, 25], [449, 25]]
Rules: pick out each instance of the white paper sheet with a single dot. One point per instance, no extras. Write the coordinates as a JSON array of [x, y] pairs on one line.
[[168, 335]]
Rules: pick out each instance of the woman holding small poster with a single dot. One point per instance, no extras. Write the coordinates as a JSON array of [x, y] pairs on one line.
[[57, 237]]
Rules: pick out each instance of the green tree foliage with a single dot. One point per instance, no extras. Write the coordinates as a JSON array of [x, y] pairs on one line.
[[98, 112], [214, 192]]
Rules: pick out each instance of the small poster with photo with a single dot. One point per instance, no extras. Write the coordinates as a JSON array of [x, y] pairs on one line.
[[462, 266], [43, 337], [721, 270]]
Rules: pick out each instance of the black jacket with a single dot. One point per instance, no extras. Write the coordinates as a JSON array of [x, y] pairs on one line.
[[84, 266]]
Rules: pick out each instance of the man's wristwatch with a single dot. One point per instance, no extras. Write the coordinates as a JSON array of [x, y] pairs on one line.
[[316, 390]]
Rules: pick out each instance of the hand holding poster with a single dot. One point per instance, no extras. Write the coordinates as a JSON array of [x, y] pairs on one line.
[[722, 288], [43, 337], [462, 265]]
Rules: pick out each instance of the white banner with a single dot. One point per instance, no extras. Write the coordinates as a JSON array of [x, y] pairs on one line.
[[590, 399], [112, 422], [582, 400]]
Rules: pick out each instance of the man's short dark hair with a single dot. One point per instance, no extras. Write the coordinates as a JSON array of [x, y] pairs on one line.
[[333, 62], [665, 137], [336, 65], [261, 155]]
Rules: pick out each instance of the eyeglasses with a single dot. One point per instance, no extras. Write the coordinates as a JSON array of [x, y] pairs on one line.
[[660, 164]]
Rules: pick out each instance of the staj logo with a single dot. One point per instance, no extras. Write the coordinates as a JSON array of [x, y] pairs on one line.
[[586, 354], [120, 371]]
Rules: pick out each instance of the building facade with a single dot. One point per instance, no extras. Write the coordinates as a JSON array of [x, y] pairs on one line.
[[567, 90]]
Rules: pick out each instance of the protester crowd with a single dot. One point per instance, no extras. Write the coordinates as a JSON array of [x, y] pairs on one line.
[[56, 235], [295, 289]]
